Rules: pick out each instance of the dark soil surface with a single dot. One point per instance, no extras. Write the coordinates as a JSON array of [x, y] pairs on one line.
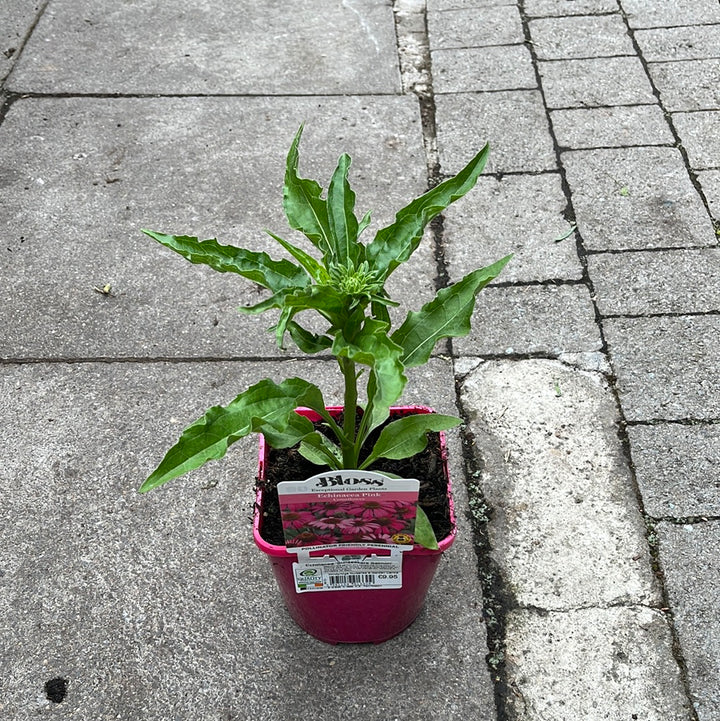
[[288, 465]]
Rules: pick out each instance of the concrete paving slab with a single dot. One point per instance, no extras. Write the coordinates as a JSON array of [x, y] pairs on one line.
[[595, 663], [684, 43], [636, 198], [519, 214], [667, 281], [210, 48], [676, 469], [438, 5], [507, 67], [514, 123], [710, 182], [159, 606], [82, 176], [688, 84], [595, 82], [582, 36], [16, 19], [647, 13], [552, 320], [540, 8], [666, 366], [689, 558], [565, 530], [468, 28], [700, 135], [618, 127]]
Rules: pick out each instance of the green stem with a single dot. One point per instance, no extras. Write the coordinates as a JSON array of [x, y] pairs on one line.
[[350, 405]]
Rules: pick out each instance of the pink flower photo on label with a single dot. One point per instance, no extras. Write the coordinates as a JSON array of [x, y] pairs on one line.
[[372, 509], [359, 525], [296, 519]]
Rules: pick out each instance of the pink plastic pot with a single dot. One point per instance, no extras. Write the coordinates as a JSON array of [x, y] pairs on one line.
[[355, 616]]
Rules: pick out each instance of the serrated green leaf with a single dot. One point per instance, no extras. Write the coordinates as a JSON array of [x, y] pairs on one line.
[[424, 534], [446, 316], [209, 437], [321, 451], [307, 341], [258, 267], [394, 244], [408, 435], [305, 209], [313, 268], [341, 216]]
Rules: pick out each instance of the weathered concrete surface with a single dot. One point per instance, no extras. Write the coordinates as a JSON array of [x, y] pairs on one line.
[[678, 43], [701, 137], [689, 557], [466, 28], [159, 606], [580, 37], [16, 19], [676, 469], [688, 84], [597, 663], [563, 7], [648, 13], [211, 47], [564, 531]]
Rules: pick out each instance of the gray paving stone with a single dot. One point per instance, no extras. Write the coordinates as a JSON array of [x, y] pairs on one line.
[[595, 663], [568, 7], [470, 28], [565, 531], [700, 136], [211, 47], [689, 557], [532, 319], [636, 198], [519, 214], [611, 127], [648, 13], [666, 366], [514, 123], [666, 281], [437, 5], [676, 469], [159, 606], [16, 18], [594, 82], [710, 182], [688, 84], [481, 69], [580, 37], [82, 176], [684, 43]]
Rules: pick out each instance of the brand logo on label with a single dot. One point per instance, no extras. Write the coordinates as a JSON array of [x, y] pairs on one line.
[[331, 481]]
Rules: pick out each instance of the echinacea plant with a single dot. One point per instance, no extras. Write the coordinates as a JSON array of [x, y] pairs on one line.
[[346, 287]]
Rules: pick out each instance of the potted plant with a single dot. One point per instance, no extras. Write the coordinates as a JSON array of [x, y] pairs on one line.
[[358, 442]]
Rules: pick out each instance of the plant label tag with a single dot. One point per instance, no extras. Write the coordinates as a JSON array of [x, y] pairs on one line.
[[349, 507], [348, 572]]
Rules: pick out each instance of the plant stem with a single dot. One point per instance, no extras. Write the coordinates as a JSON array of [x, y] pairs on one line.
[[350, 406]]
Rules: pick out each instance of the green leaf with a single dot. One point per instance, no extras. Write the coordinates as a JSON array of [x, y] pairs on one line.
[[364, 223], [321, 451], [408, 435], [394, 244], [307, 341], [209, 437], [311, 265], [424, 534], [446, 316], [258, 267], [306, 211], [274, 301], [341, 215], [287, 433]]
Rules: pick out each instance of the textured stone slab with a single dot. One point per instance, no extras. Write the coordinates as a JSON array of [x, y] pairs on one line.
[[636, 198], [688, 85], [700, 136], [589, 83], [552, 319], [565, 531], [568, 7], [500, 25], [82, 176], [435, 5], [689, 557], [676, 469], [668, 281], [648, 13], [159, 606], [16, 18], [519, 214], [211, 47], [684, 43], [613, 663], [710, 182], [666, 366], [514, 123], [611, 127], [482, 69], [580, 37]]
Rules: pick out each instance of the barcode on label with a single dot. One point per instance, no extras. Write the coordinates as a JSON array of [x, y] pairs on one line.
[[352, 579]]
